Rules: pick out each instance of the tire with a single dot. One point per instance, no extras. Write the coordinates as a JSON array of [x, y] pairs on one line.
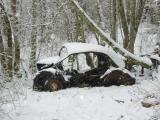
[[47, 81], [39, 82], [55, 85], [118, 77]]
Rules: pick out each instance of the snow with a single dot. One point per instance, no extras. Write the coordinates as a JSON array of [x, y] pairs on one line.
[[121, 69], [52, 70], [156, 57], [73, 48], [152, 101], [97, 103], [49, 60], [144, 59], [146, 39]]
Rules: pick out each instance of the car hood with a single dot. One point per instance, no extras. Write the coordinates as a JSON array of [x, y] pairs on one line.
[[49, 60]]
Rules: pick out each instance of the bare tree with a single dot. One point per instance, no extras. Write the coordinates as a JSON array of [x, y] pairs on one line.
[[1, 50], [113, 19], [7, 33], [33, 37], [15, 34], [123, 22], [130, 20]]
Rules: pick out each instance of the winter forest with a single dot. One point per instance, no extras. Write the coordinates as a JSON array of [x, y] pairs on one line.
[[80, 59]]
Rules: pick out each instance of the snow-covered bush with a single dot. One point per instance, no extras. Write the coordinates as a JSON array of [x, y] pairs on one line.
[[11, 93]]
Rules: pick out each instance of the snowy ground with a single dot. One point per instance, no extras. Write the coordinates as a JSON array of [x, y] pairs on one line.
[[98, 103]]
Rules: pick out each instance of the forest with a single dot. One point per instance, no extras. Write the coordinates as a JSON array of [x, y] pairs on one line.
[[127, 31]]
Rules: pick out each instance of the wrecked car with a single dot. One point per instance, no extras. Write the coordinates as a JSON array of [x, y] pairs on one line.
[[81, 65]]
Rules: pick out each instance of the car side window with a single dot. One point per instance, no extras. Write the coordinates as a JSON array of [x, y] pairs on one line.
[[86, 61]]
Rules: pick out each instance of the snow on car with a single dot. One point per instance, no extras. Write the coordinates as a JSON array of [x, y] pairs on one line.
[[81, 65]]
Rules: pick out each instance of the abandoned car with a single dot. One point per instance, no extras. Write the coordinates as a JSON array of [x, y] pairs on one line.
[[81, 65]]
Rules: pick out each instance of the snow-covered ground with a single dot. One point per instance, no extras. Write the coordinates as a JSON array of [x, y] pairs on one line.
[[97, 103]]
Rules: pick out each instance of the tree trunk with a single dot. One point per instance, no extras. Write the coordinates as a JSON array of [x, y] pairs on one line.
[[2, 56], [7, 32], [139, 11], [100, 14], [123, 21], [113, 20], [137, 7], [33, 38], [15, 34], [67, 21], [132, 26], [43, 13], [128, 10]]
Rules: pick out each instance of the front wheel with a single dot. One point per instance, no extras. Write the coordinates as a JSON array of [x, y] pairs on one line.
[[55, 85]]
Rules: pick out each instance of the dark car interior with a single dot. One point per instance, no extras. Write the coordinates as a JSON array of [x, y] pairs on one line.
[[86, 68]]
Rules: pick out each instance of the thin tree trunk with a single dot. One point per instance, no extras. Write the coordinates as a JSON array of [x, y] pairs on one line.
[[67, 21], [7, 32], [137, 7], [33, 38], [128, 10], [123, 22], [100, 14], [2, 58], [2, 51], [139, 11], [79, 28], [113, 20], [42, 29], [15, 34], [132, 26]]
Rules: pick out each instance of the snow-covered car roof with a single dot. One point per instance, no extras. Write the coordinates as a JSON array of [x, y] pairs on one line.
[[73, 48]]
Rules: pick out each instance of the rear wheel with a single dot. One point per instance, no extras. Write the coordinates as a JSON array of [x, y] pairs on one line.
[[118, 77]]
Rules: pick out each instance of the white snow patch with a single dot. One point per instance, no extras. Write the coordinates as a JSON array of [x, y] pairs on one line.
[[121, 69], [49, 60], [145, 59], [156, 57], [52, 70]]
